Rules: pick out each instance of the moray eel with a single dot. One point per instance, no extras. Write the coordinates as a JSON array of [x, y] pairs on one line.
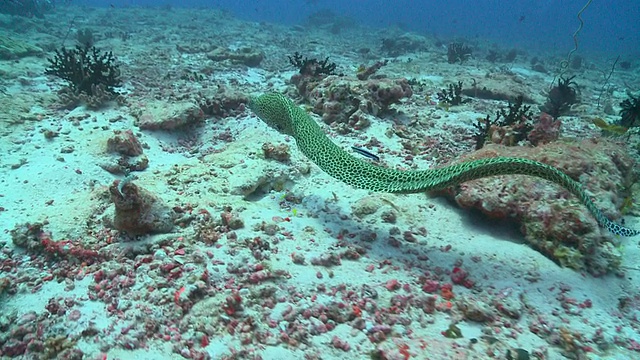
[[280, 113]]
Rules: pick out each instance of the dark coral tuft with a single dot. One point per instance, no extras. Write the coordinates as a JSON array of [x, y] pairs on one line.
[[85, 68]]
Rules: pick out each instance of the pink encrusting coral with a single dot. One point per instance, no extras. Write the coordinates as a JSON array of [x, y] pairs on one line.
[[545, 130]]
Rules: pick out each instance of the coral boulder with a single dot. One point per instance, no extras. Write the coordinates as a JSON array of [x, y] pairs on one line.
[[137, 211], [552, 219]]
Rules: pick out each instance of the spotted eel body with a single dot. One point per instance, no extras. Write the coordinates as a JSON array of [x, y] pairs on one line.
[[280, 113]]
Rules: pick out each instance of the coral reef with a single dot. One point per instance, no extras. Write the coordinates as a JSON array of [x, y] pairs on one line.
[[43, 335], [346, 103], [98, 98], [495, 56], [137, 211], [508, 127], [458, 53], [160, 115], [91, 76], [279, 153], [222, 103], [501, 87], [537, 65], [451, 95], [551, 221], [33, 238], [61, 347], [85, 37], [561, 97], [364, 72], [630, 112], [245, 56], [545, 130], [28, 235], [312, 67], [403, 44], [15, 49], [129, 154], [124, 143], [376, 276], [84, 68]]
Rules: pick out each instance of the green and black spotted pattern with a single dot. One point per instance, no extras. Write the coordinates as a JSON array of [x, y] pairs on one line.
[[283, 115]]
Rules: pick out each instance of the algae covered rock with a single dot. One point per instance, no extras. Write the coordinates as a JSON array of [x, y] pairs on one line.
[[347, 103], [160, 115], [14, 49], [552, 220], [246, 56], [138, 212]]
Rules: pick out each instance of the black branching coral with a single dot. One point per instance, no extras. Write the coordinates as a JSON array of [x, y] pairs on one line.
[[517, 116], [458, 52], [561, 97], [85, 68], [312, 67], [451, 95], [630, 113]]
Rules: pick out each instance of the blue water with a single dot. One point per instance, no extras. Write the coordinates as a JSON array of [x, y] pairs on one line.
[[611, 27]]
